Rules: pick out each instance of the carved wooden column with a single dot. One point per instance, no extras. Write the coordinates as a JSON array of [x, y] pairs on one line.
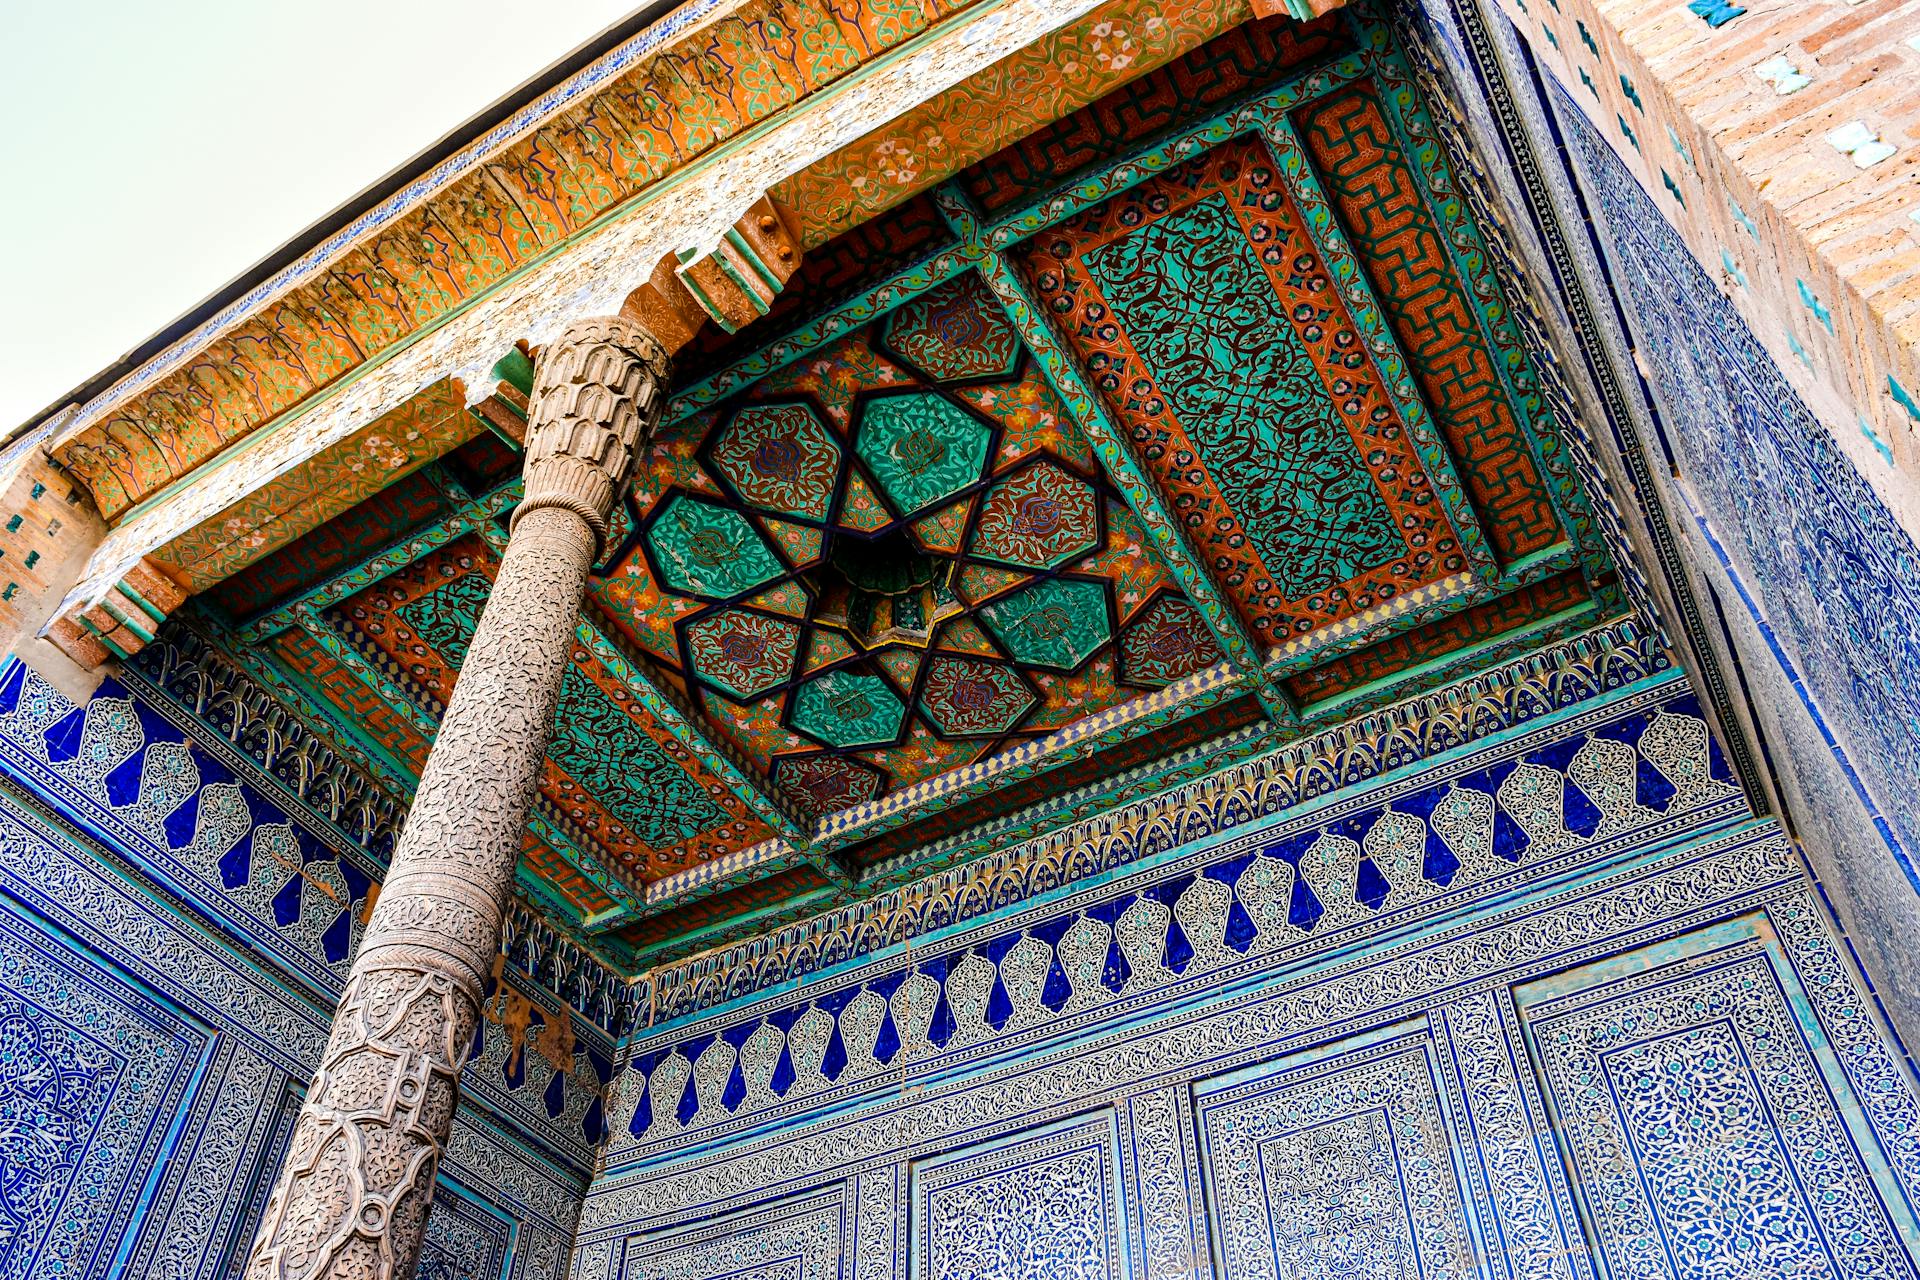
[[353, 1194]]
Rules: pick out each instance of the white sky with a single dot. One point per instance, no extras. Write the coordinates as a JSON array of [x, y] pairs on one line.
[[150, 152]]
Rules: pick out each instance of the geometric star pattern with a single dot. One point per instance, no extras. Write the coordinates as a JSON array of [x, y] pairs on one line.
[[1263, 399], [859, 558]]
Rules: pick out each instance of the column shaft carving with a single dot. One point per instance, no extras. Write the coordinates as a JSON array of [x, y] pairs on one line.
[[357, 1182]]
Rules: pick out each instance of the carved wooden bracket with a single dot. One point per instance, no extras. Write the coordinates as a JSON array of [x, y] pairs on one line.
[[731, 282], [123, 622]]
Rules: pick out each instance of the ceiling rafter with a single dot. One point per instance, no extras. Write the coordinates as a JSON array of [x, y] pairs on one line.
[[1474, 233], [1266, 112], [470, 516], [769, 857], [1338, 640], [480, 516], [829, 326], [401, 780], [755, 919], [1037, 333], [683, 727], [1458, 663]]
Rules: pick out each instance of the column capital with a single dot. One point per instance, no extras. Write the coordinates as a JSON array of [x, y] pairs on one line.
[[596, 390]]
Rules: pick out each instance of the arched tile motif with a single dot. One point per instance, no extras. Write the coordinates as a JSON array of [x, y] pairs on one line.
[[1263, 896]]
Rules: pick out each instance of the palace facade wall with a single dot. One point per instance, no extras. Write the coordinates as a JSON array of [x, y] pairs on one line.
[[1426, 1025], [178, 922]]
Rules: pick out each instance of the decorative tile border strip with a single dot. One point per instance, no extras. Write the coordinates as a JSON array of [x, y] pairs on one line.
[[184, 670], [1115, 823], [1625, 774], [1201, 689], [1657, 894], [141, 768]]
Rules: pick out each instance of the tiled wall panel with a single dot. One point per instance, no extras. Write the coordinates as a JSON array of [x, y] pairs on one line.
[[1704, 1118], [155, 1038], [1182, 1071]]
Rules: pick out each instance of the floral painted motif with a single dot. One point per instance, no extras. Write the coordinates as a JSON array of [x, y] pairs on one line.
[[955, 332], [744, 653], [963, 696], [1039, 518], [781, 457], [1168, 640]]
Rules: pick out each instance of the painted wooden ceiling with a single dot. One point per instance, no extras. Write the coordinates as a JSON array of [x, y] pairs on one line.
[[1190, 422]]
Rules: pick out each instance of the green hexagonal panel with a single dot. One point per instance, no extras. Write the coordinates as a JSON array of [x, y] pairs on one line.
[[744, 653], [921, 448], [781, 457], [843, 709], [709, 551], [1057, 623]]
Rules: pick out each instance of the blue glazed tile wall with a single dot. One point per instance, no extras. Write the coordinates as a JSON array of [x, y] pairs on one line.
[[1837, 577], [1484, 820], [173, 936], [1356, 1039]]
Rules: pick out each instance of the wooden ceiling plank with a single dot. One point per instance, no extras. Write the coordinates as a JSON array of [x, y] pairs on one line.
[[469, 516], [681, 726], [1116, 456]]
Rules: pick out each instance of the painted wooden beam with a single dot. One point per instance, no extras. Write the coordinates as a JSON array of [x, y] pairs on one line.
[[469, 515], [828, 326], [1116, 455], [584, 270], [546, 825], [740, 778]]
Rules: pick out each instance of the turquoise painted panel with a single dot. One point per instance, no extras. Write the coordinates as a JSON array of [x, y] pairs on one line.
[[596, 742], [1200, 310], [921, 448]]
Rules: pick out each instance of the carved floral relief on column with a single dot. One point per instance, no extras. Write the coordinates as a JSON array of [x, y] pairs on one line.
[[354, 1193]]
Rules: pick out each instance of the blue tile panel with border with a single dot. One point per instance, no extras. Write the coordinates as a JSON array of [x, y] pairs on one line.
[[1360, 1038], [164, 791], [1837, 575], [166, 982]]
